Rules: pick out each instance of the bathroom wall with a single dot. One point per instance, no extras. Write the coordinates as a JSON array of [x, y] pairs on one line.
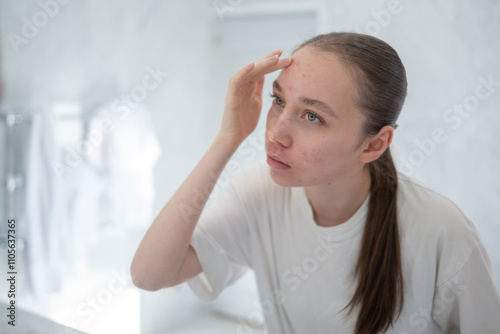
[[87, 53]]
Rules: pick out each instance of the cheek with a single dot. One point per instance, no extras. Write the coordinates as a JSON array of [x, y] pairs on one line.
[[314, 156], [325, 155], [316, 165]]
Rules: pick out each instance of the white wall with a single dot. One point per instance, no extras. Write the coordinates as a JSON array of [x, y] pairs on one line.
[[92, 50]]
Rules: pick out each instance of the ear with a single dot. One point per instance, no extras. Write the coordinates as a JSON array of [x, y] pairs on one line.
[[374, 146]]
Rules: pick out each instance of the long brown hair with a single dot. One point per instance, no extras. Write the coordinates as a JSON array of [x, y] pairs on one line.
[[381, 80]]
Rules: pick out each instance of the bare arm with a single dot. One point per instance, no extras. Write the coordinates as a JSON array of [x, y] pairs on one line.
[[164, 257]]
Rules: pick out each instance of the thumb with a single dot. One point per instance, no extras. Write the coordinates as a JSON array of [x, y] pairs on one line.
[[259, 85]]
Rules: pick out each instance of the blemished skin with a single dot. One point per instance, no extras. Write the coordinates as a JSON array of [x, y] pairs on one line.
[[314, 136]]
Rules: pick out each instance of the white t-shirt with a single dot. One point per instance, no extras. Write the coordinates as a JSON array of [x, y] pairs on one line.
[[304, 272]]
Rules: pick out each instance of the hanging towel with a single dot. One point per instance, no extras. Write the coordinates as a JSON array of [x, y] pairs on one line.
[[41, 219], [127, 157]]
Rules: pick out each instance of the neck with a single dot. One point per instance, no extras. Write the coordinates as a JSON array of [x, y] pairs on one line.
[[335, 202]]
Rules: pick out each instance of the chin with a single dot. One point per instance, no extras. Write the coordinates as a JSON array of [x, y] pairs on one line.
[[281, 178], [285, 179], [288, 179]]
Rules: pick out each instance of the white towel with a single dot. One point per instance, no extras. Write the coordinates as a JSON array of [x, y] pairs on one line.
[[41, 219], [127, 157]]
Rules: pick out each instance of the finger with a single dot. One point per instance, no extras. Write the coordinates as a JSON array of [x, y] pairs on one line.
[[259, 86], [253, 71], [243, 72], [283, 62], [268, 66], [276, 52], [238, 76]]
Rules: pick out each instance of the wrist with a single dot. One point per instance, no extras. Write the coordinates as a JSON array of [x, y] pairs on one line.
[[227, 142]]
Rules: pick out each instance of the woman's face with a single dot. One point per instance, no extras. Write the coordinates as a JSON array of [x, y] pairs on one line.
[[314, 129]]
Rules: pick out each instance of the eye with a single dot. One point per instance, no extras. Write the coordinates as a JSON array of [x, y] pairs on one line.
[[313, 118], [277, 100]]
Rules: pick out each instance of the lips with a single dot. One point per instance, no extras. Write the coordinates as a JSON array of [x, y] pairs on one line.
[[275, 162]]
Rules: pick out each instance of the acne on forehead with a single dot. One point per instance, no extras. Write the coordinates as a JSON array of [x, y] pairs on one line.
[[308, 62], [304, 79], [310, 58], [320, 75], [298, 69]]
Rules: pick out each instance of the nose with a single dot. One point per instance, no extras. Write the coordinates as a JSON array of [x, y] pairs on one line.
[[279, 131]]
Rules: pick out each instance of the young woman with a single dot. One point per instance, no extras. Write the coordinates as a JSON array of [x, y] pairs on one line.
[[338, 240]]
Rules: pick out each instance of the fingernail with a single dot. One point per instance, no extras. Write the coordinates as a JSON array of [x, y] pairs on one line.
[[273, 58]]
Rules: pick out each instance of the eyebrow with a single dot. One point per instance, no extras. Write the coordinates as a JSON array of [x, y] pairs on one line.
[[310, 102]]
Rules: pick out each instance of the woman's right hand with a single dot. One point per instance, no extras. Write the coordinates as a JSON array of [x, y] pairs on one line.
[[244, 97], [165, 257]]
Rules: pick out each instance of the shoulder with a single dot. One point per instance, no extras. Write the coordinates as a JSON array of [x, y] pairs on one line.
[[415, 199], [433, 226]]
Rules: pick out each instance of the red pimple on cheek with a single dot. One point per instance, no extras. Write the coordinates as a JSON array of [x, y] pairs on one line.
[[312, 156], [306, 155]]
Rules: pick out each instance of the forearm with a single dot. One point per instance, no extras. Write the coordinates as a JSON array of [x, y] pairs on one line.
[[165, 245], [163, 250]]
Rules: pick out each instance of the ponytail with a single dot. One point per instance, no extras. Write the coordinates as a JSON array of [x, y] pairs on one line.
[[379, 270]]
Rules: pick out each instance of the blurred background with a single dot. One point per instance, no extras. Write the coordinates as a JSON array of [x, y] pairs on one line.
[[107, 106]]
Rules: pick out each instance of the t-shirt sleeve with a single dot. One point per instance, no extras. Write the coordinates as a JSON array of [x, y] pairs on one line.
[[221, 240], [468, 302]]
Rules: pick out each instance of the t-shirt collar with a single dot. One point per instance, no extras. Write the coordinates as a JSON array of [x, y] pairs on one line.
[[333, 233]]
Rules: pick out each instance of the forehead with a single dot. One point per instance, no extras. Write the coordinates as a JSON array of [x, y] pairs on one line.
[[319, 75]]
